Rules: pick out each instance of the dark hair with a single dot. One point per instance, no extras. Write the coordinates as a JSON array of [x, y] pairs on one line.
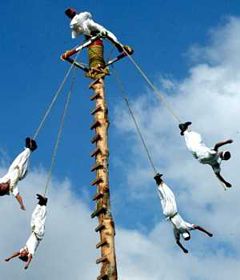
[[23, 258], [70, 12], [226, 155]]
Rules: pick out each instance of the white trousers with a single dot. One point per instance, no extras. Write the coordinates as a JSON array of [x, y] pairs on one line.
[[193, 140], [168, 200], [93, 26], [199, 150], [84, 24], [38, 221], [17, 169]]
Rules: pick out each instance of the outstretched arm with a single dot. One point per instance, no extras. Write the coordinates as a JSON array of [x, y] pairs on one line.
[[203, 230], [177, 238], [14, 255], [181, 246], [219, 176], [20, 201], [28, 262], [219, 144]]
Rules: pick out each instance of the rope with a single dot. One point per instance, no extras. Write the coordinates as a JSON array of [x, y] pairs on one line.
[[159, 94], [124, 96], [54, 99], [59, 134], [110, 54]]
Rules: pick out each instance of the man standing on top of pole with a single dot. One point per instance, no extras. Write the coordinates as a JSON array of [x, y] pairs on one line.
[[83, 24]]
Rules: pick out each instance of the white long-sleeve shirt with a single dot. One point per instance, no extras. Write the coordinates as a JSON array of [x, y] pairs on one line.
[[169, 208], [38, 229], [201, 152], [17, 170], [83, 24]]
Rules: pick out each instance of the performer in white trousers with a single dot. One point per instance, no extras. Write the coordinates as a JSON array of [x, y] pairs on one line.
[[204, 154], [169, 207], [16, 172], [38, 228], [83, 24]]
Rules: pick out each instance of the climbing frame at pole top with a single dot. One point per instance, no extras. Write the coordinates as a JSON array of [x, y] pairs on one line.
[[96, 70]]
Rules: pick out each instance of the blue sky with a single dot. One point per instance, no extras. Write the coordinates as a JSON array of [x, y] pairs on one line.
[[174, 41], [34, 34]]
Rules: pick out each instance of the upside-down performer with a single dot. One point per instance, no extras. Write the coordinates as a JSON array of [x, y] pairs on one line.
[[204, 154], [17, 171], [38, 228], [169, 206]]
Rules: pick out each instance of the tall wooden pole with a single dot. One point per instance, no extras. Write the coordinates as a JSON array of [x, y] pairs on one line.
[[101, 154]]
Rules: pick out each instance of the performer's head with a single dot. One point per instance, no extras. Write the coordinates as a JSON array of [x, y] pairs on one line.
[[225, 155], [70, 12], [186, 235], [23, 255]]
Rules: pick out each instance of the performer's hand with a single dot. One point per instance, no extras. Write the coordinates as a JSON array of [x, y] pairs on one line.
[[26, 266], [23, 207], [185, 251], [228, 185], [7, 260], [210, 234], [230, 141]]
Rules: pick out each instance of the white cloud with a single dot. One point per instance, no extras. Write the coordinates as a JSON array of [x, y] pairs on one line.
[[209, 97], [68, 248], [156, 257], [223, 48]]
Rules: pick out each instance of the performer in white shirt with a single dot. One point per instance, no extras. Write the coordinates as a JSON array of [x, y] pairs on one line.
[[204, 154], [38, 228], [83, 24], [169, 206], [17, 171]]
